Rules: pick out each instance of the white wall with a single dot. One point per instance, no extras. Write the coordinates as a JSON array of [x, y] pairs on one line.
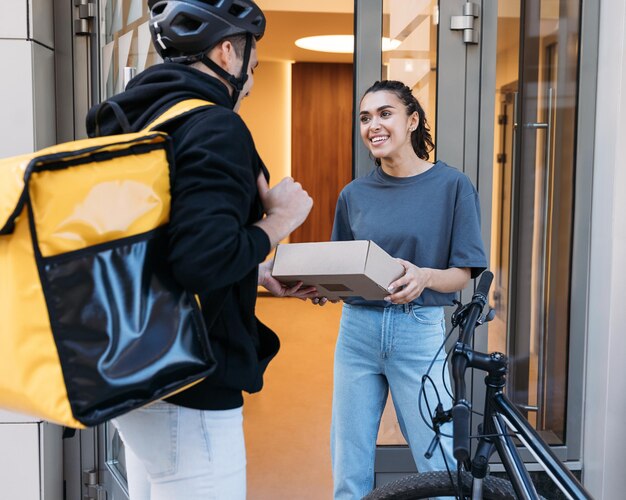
[[605, 404], [30, 451], [27, 121]]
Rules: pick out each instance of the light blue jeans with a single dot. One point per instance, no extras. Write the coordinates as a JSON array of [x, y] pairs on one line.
[[177, 453], [381, 350]]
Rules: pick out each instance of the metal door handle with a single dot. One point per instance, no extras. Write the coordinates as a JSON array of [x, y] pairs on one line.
[[547, 179]]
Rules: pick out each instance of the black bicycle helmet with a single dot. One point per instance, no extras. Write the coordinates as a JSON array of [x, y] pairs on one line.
[[184, 31]]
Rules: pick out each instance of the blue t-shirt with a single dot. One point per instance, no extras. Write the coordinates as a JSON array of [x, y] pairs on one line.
[[431, 219]]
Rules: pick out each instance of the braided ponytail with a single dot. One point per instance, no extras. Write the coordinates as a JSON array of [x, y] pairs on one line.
[[421, 139]]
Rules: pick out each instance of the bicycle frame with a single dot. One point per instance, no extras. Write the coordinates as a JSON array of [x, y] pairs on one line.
[[501, 423], [500, 416]]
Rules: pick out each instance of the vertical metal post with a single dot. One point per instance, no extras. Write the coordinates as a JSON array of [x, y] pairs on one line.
[[129, 74], [368, 33], [64, 85], [581, 247]]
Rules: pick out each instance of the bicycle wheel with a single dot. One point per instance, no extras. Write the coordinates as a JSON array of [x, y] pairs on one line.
[[437, 484]]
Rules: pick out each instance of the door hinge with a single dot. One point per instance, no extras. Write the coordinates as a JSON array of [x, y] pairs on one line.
[[86, 11], [501, 158], [465, 23], [95, 491]]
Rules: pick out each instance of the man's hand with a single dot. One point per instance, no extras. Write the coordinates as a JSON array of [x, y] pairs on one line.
[[286, 206], [322, 301], [278, 289]]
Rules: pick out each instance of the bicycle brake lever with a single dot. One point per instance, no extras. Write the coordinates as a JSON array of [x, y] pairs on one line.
[[432, 447], [486, 318], [458, 314], [441, 416]]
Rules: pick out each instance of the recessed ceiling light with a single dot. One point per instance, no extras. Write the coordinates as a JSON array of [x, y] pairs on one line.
[[342, 44]]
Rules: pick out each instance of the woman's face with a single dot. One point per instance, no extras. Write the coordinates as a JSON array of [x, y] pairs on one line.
[[385, 126]]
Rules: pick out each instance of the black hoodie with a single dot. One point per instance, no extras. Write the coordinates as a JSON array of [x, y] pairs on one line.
[[214, 249]]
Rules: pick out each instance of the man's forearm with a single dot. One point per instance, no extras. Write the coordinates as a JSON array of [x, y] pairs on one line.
[[276, 227]]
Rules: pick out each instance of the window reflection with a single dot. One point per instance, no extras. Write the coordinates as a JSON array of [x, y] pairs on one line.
[[114, 453], [533, 182], [414, 62], [126, 47]]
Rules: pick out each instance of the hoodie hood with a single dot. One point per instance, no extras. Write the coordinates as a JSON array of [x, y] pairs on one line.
[[153, 91]]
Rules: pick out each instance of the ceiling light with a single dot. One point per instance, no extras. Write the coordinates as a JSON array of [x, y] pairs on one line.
[[343, 44]]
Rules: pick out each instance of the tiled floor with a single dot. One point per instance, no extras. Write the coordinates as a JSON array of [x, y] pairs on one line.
[[287, 424]]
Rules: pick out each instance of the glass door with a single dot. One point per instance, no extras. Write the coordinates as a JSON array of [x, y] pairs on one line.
[[506, 111], [532, 210], [411, 57], [124, 48], [90, 43], [124, 43], [443, 67], [112, 462]]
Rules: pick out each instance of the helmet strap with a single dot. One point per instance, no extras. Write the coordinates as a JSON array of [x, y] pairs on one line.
[[236, 83]]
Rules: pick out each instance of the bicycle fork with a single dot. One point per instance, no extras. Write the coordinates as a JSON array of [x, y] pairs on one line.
[[494, 432]]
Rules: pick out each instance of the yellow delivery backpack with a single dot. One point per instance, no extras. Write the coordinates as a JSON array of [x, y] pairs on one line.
[[92, 323]]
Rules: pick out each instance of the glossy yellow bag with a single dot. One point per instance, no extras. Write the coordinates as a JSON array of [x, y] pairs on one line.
[[92, 323]]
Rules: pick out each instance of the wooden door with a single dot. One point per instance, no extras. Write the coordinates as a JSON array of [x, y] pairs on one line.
[[321, 157]]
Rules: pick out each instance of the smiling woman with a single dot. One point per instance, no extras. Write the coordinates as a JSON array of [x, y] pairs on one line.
[[394, 127], [385, 127], [397, 205]]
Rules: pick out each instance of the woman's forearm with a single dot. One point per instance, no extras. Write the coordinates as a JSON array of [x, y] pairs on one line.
[[448, 280]]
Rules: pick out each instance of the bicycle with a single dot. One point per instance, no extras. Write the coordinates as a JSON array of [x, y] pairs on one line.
[[501, 422]]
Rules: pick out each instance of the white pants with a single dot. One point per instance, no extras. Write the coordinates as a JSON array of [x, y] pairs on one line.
[[177, 453]]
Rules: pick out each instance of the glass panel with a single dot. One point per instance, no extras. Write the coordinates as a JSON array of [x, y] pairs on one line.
[[507, 75], [125, 49], [125, 46], [536, 90], [414, 61], [115, 457]]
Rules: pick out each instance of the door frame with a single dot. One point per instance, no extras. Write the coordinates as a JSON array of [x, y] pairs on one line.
[[468, 87], [466, 76], [466, 82], [87, 471], [77, 68]]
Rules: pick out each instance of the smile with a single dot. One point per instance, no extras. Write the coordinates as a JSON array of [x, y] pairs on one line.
[[379, 139]]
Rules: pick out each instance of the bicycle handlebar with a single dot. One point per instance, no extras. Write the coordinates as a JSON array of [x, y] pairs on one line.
[[461, 409]]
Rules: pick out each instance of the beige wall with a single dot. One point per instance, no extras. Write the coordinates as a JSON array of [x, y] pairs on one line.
[[267, 112]]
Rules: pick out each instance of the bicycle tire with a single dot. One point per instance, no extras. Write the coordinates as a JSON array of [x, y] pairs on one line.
[[437, 484]]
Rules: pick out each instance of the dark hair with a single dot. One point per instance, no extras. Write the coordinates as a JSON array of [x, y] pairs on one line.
[[421, 139], [238, 42]]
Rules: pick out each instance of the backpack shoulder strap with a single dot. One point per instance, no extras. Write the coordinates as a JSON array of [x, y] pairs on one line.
[[176, 111], [121, 118]]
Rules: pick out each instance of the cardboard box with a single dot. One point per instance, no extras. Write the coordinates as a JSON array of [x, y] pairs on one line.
[[338, 269]]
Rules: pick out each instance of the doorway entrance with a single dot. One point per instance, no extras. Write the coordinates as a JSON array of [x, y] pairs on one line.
[[506, 125]]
